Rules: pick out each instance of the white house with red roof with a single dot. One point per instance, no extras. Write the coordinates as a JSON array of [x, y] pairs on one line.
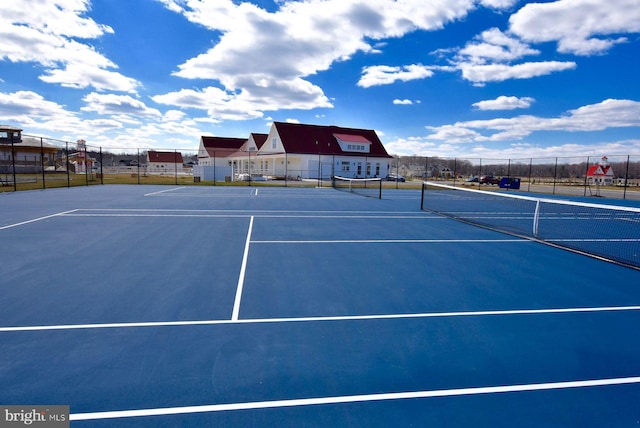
[[220, 157], [314, 151], [302, 151], [214, 150], [164, 162], [601, 174]]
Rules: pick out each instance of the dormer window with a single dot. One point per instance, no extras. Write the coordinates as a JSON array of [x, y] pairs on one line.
[[353, 143]]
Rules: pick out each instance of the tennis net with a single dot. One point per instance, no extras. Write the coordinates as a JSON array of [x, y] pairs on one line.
[[371, 187], [604, 231]]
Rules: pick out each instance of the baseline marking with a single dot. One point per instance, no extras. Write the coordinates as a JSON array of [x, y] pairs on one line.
[[243, 268], [321, 319], [9, 226], [354, 398]]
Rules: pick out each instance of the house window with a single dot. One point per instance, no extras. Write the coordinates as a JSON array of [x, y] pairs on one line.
[[274, 143], [345, 166], [377, 169]]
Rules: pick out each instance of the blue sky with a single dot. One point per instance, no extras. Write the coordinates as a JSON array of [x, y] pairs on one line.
[[454, 78]]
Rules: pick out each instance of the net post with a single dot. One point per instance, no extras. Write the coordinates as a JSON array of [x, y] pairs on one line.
[[380, 189], [422, 196], [536, 219]]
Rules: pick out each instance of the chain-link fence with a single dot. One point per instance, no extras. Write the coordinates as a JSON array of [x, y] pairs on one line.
[[40, 163], [612, 176]]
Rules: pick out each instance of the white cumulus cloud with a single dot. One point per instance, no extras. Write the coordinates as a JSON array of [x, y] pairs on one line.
[[581, 27], [504, 103]]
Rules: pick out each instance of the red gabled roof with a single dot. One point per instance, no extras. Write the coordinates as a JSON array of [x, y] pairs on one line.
[[352, 138], [316, 139], [598, 170], [260, 139], [222, 146], [223, 142], [164, 157]]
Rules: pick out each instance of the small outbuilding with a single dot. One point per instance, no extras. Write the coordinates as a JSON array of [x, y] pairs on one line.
[[601, 174]]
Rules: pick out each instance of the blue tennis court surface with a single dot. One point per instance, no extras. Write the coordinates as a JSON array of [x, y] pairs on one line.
[[150, 306]]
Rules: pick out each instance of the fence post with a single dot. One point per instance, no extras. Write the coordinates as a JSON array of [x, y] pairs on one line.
[[101, 170], [42, 163], [138, 166], [586, 177], [555, 175], [13, 164], [426, 168], [455, 170], [626, 179], [175, 164], [86, 164], [66, 154]]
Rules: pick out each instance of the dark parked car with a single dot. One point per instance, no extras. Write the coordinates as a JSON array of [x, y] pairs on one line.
[[489, 179], [394, 177]]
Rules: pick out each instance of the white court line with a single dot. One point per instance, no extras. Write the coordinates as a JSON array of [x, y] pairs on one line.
[[164, 191], [394, 241], [322, 319], [595, 240], [9, 226], [418, 214], [248, 215], [354, 398], [364, 215], [243, 268]]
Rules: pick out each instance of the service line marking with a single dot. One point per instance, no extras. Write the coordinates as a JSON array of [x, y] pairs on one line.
[[393, 241], [320, 318], [9, 226], [354, 398], [164, 191]]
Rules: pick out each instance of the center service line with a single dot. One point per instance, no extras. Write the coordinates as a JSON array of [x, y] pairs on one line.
[[243, 268], [354, 398]]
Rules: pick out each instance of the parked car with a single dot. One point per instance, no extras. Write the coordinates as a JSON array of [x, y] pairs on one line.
[[472, 180], [489, 179], [395, 177]]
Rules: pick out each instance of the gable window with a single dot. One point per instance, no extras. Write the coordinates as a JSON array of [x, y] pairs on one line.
[[274, 143]]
